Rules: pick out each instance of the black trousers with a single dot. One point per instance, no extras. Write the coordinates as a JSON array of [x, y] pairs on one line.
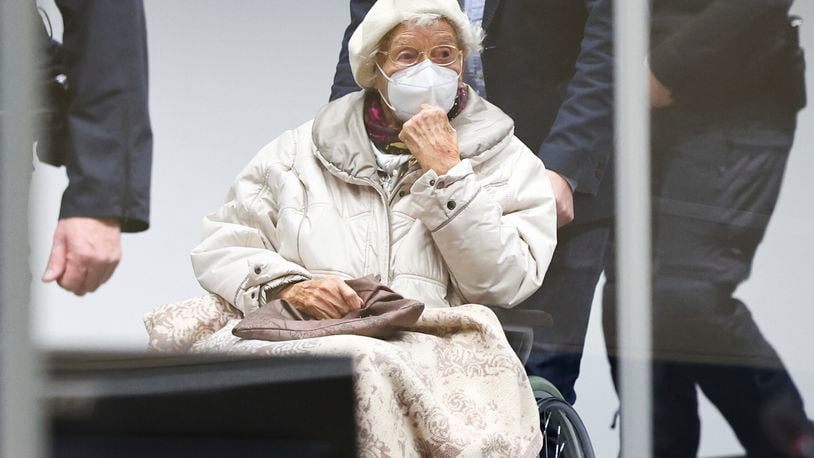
[[567, 294], [716, 178]]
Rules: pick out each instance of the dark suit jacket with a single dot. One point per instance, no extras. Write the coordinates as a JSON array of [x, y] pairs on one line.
[[719, 54], [108, 150], [549, 65]]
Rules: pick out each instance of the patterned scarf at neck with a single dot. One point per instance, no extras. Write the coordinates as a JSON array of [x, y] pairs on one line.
[[385, 137]]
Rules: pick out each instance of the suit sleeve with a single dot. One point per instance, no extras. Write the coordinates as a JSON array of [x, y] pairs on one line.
[[726, 35], [109, 151], [580, 142], [343, 78]]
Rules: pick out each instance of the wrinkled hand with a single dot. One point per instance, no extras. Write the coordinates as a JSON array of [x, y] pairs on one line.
[[660, 96], [563, 196], [431, 139], [328, 297], [84, 254]]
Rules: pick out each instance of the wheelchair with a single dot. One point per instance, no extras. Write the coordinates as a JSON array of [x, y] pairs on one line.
[[564, 433]]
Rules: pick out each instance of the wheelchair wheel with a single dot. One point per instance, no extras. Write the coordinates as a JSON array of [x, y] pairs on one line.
[[564, 434]]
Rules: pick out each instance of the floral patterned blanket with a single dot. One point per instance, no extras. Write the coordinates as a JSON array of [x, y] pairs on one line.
[[450, 386]]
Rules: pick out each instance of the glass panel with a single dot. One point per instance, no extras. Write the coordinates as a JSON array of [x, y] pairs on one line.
[[715, 168], [731, 302], [628, 272], [20, 428]]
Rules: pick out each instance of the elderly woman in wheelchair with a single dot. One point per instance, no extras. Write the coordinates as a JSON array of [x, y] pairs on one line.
[[414, 179]]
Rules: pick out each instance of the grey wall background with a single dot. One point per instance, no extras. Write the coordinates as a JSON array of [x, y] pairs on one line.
[[228, 77]]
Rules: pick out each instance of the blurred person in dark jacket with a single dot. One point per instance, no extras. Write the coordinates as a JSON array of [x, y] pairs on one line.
[[100, 131], [726, 83], [549, 65]]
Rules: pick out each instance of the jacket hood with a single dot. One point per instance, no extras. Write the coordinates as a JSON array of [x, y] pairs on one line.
[[343, 146]]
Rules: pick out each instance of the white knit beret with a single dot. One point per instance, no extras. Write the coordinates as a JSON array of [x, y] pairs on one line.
[[385, 15]]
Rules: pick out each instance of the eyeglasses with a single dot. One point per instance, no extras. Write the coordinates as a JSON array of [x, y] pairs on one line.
[[407, 56]]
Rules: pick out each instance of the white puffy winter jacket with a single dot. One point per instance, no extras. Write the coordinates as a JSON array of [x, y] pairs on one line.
[[310, 204]]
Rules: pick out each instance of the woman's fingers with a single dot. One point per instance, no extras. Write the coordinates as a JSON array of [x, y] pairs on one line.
[[324, 298], [341, 296], [329, 305], [336, 298], [323, 310], [351, 299], [308, 297], [431, 139]]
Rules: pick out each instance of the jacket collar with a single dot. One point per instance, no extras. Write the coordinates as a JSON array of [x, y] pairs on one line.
[[489, 11], [342, 144]]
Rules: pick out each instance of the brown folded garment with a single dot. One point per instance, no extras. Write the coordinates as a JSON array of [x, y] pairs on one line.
[[383, 313]]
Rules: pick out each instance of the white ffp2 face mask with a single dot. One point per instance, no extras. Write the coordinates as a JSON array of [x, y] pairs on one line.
[[422, 83]]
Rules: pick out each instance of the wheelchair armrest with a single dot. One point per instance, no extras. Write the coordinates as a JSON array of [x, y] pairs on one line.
[[519, 328], [524, 318]]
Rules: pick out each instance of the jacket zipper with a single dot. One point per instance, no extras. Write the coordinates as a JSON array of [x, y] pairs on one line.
[[387, 213], [386, 278]]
